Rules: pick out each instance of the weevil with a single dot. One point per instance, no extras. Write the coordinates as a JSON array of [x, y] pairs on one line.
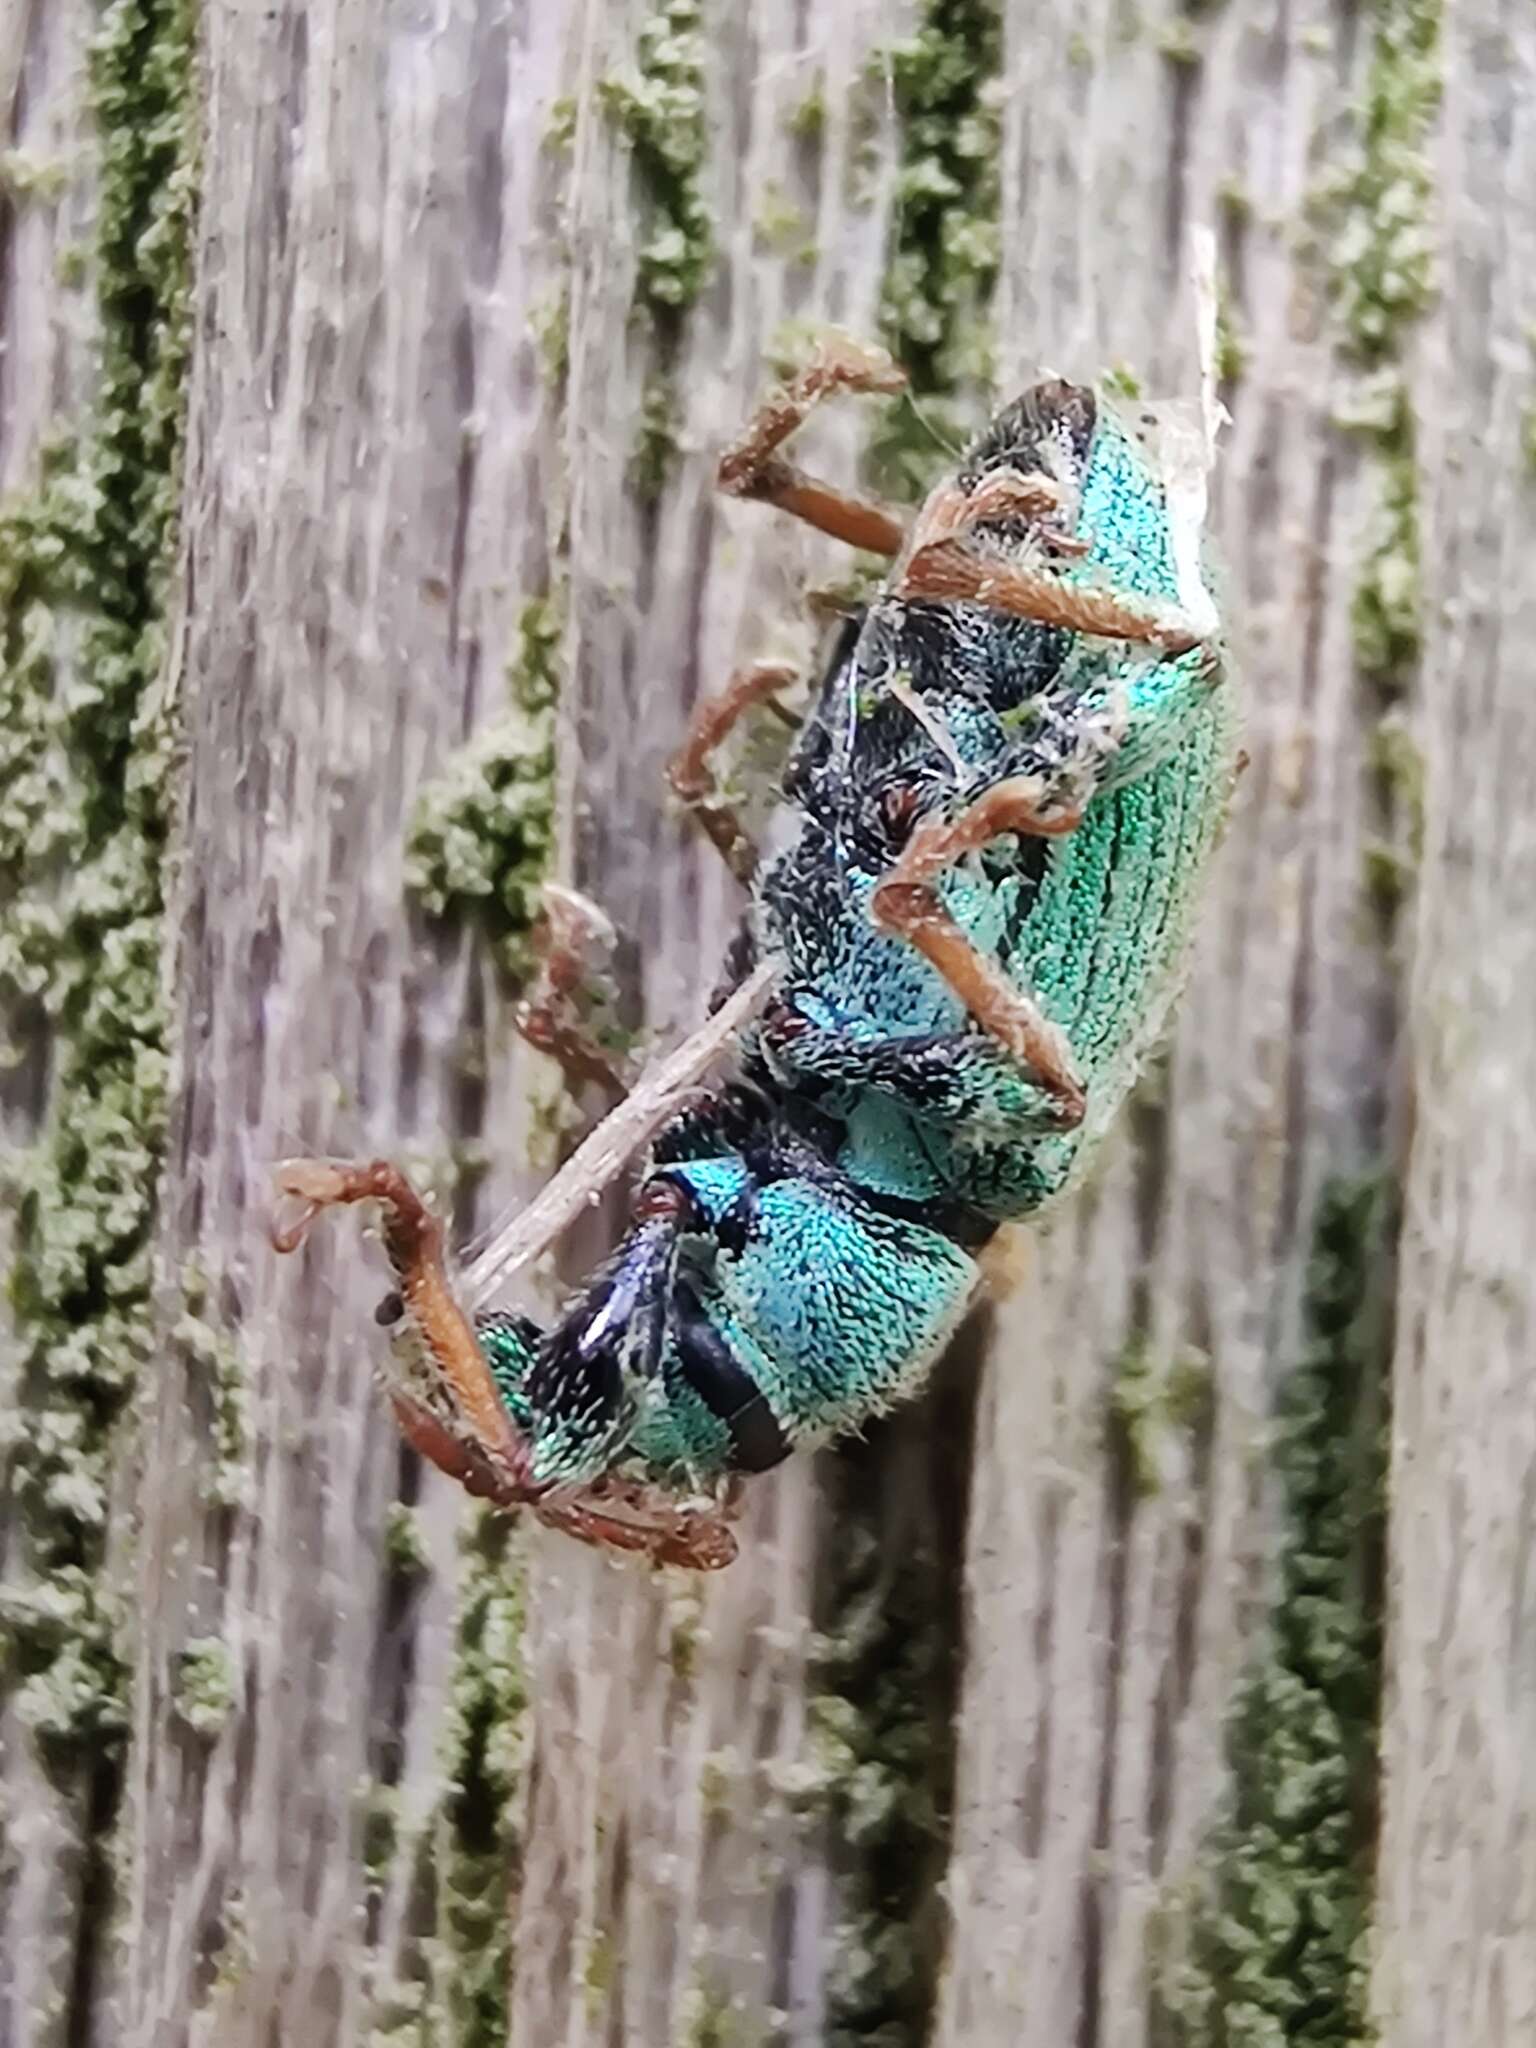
[[997, 815]]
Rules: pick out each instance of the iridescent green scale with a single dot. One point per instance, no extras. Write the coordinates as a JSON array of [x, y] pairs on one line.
[[1103, 941]]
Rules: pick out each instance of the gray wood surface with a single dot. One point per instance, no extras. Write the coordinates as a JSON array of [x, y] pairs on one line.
[[940, 1758]]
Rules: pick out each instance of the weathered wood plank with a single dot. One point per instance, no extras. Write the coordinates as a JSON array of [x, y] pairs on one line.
[[1458, 1850], [1114, 1572], [454, 410]]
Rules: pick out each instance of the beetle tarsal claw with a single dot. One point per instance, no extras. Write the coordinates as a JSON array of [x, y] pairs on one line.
[[287, 1237], [316, 1184]]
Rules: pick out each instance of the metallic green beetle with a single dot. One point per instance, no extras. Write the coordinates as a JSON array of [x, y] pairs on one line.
[[999, 812]]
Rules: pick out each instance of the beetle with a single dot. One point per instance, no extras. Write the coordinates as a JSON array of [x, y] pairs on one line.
[[998, 814]]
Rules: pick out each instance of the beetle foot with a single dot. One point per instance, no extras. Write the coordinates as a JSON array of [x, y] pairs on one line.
[[753, 468], [624, 1514], [481, 1470], [325, 1183], [413, 1239], [458, 1421], [609, 1514], [691, 770]]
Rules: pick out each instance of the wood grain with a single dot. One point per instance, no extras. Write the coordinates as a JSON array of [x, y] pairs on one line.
[[386, 460]]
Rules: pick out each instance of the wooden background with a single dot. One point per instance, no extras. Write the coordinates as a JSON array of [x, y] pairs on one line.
[[1050, 1714]]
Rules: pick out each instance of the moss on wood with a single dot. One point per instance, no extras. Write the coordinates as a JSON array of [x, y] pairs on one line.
[[942, 260], [482, 835], [1377, 213], [659, 107], [882, 1743], [468, 1859], [1268, 1944], [87, 761]]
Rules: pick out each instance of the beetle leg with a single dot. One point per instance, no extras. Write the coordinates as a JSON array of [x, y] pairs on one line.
[[613, 1515], [488, 1457], [692, 775], [628, 1515], [457, 1456], [547, 1016], [953, 570], [1031, 496], [753, 468], [907, 904], [413, 1238]]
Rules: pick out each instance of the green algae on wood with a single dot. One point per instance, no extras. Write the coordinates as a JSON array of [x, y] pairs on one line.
[[216, 1368], [654, 449], [86, 770], [659, 108], [1386, 609], [1177, 43], [885, 1771], [1388, 877], [550, 325], [1397, 765], [1376, 212], [942, 259], [25, 176], [481, 839], [405, 1547], [1379, 204], [1121, 380], [468, 1860], [479, 1842], [1231, 349], [1152, 1401], [204, 1691], [1267, 1943], [807, 119], [60, 1657], [781, 225], [881, 1714], [711, 2018]]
